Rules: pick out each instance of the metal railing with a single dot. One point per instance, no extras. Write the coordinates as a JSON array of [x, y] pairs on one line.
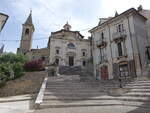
[[100, 42], [103, 59], [118, 34]]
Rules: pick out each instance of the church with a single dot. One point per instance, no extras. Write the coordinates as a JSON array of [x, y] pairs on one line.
[[65, 47]]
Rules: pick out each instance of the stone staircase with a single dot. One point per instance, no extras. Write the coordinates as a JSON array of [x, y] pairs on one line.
[[69, 70], [73, 70], [146, 70], [76, 91]]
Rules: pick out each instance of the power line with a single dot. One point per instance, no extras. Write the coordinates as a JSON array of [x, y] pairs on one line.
[[37, 38], [25, 40]]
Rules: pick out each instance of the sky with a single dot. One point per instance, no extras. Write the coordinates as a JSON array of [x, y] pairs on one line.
[[50, 15]]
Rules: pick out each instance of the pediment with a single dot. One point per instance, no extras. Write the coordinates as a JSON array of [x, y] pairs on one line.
[[67, 35]]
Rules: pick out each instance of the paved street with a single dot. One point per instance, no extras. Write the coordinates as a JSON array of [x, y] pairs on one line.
[[16, 104]]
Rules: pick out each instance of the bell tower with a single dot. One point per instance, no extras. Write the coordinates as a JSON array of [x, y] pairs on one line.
[[27, 33]]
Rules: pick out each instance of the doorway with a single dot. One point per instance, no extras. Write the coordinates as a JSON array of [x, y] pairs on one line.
[[104, 72], [71, 60]]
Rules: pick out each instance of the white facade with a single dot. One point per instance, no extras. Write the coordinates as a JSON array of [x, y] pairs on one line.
[[119, 46], [68, 48]]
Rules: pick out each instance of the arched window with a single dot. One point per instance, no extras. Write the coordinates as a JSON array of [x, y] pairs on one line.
[[26, 31], [71, 46]]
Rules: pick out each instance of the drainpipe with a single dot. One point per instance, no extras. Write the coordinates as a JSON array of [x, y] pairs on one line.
[[110, 47], [131, 42]]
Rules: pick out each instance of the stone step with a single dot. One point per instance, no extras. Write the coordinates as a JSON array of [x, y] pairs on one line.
[[141, 81], [97, 98], [77, 90], [87, 94], [141, 90], [143, 84], [73, 93], [142, 94], [137, 87], [98, 102], [73, 85], [138, 91]]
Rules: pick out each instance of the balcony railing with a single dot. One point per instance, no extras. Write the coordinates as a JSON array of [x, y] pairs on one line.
[[101, 43], [119, 35], [103, 59]]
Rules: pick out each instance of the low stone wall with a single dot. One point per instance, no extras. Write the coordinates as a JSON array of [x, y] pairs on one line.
[[30, 83]]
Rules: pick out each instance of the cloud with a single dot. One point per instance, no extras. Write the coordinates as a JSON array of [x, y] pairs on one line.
[[51, 15], [111, 6]]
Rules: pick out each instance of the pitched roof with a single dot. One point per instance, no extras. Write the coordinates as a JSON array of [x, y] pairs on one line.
[[29, 20], [131, 10], [63, 30]]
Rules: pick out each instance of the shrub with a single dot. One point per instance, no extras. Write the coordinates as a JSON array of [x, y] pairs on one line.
[[11, 66], [34, 65], [5, 69], [13, 58], [3, 77], [18, 70]]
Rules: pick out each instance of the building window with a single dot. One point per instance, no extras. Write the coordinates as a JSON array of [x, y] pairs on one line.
[[57, 51], [71, 46], [120, 28], [27, 32], [119, 49], [57, 61], [43, 58], [102, 35], [83, 53], [148, 52], [124, 70], [83, 63]]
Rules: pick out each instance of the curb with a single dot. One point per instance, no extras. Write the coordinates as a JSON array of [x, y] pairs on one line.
[[40, 96]]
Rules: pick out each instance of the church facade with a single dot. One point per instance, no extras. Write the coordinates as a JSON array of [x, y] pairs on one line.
[[65, 47], [69, 48]]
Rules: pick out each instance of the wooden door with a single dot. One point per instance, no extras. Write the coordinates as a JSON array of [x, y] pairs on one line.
[[104, 72], [71, 60]]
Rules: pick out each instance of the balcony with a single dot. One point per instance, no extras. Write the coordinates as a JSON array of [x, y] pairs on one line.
[[119, 35], [101, 43], [103, 59]]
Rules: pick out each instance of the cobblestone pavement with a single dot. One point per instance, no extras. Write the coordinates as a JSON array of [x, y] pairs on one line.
[[75, 94]]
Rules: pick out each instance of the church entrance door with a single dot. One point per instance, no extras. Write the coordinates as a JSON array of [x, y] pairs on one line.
[[71, 60]]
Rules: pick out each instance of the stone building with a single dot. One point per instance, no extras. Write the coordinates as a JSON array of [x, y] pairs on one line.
[[26, 42], [65, 47], [69, 48], [3, 19], [27, 35], [119, 45]]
